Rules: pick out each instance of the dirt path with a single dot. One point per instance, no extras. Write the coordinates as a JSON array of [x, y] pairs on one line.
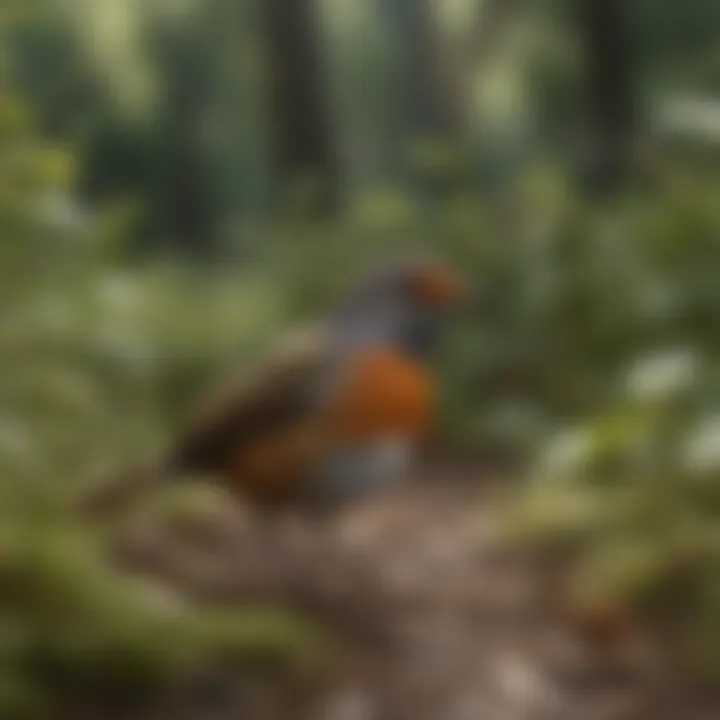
[[435, 621]]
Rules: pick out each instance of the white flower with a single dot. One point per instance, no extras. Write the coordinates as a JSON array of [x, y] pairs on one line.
[[62, 212], [663, 374], [702, 449], [567, 452], [690, 115]]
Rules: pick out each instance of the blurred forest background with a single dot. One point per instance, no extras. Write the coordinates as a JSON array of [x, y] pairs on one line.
[[181, 179]]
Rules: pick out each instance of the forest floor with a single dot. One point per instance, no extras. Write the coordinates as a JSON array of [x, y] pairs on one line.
[[433, 619]]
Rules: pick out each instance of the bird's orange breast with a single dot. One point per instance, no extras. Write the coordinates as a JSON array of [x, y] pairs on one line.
[[382, 393]]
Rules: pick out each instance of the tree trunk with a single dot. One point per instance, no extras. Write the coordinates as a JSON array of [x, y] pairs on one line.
[[184, 200], [303, 142], [609, 88], [428, 117], [429, 108]]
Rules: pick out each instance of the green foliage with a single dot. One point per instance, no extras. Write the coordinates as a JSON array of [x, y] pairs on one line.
[[623, 337], [601, 319], [592, 347], [592, 342], [96, 359]]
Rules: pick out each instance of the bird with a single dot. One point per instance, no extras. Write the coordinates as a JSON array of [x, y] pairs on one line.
[[334, 413]]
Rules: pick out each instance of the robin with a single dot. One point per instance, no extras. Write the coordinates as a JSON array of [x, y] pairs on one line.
[[331, 416]]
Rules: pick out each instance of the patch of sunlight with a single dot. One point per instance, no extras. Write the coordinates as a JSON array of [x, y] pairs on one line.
[[499, 97], [697, 116], [662, 375], [111, 32]]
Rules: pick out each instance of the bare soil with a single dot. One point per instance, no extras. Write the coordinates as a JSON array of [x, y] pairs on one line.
[[433, 619]]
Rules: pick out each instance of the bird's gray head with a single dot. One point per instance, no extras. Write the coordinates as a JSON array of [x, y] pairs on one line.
[[401, 306]]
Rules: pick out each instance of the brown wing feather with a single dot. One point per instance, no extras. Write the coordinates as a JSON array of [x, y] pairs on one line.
[[280, 393], [255, 427]]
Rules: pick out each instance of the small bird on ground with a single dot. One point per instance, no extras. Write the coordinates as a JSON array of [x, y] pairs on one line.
[[330, 417]]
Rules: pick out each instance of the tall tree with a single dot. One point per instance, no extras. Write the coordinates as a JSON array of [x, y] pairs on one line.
[[303, 137], [609, 85], [427, 117], [435, 80], [430, 108], [183, 191]]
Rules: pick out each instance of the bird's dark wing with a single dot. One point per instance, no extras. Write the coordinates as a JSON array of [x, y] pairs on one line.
[[266, 402], [259, 426]]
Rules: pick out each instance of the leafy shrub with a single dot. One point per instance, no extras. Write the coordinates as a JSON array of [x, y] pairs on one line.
[[592, 350], [96, 358], [593, 344]]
